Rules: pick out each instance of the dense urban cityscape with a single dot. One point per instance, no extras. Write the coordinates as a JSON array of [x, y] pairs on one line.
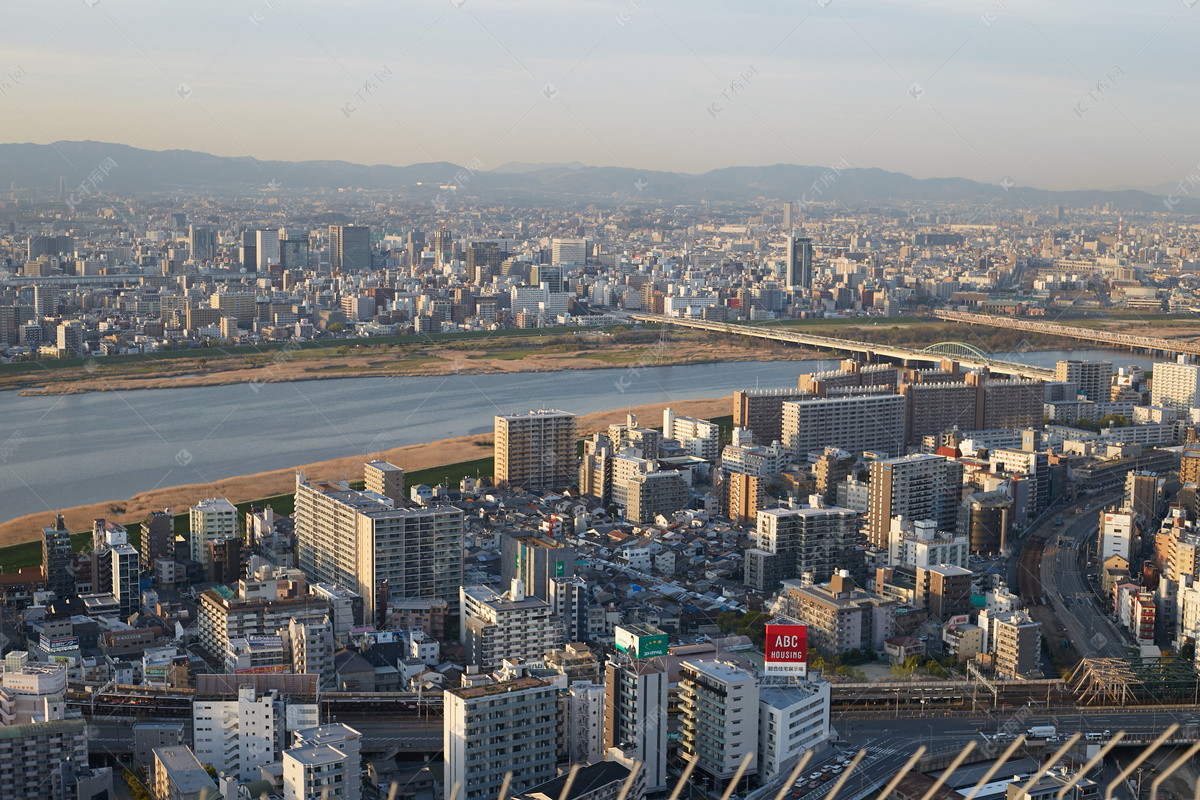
[[927, 528], [452, 400]]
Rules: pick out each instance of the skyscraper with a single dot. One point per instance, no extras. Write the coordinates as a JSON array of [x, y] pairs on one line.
[[568, 251], [248, 251], [349, 247], [799, 272], [266, 244], [202, 241], [536, 450]]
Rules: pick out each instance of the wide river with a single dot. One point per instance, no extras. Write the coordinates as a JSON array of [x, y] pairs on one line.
[[69, 450]]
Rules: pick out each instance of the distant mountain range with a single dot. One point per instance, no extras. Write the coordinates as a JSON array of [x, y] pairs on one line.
[[137, 170]]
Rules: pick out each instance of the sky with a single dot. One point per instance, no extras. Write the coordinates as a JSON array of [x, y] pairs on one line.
[[1067, 94]]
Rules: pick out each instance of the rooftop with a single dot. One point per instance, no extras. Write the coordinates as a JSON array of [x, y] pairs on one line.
[[488, 689]]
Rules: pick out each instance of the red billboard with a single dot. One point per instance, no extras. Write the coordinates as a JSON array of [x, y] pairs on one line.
[[786, 650]]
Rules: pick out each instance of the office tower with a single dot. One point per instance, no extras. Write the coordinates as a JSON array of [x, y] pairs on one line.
[[210, 520], [568, 251], [635, 713], [38, 246], [248, 251], [856, 423], [415, 244], [761, 411], [386, 479], [552, 275], [70, 338], [177, 774], [293, 250], [349, 248], [535, 561], [1176, 385], [266, 248], [985, 519], [1094, 378], [510, 625], [202, 242], [811, 542], [718, 714], [443, 247], [56, 559], [158, 538], [799, 267], [494, 727], [535, 450], [483, 261], [917, 487], [699, 437], [359, 542], [787, 215]]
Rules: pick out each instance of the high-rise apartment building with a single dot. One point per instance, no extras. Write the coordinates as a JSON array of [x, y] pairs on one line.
[[495, 727], [208, 521], [386, 479], [699, 437], [56, 559], [635, 713], [855, 423], [1094, 378], [510, 625], [158, 538], [814, 541], [1175, 385], [718, 713], [362, 542], [793, 717], [761, 411], [917, 487], [536, 450], [239, 736]]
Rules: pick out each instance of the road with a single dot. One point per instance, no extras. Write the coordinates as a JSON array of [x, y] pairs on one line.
[[1087, 626]]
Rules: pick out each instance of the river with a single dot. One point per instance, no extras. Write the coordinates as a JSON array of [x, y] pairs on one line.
[[69, 450]]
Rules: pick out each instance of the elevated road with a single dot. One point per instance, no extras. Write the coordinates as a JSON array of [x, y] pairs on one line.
[[1150, 344], [904, 355]]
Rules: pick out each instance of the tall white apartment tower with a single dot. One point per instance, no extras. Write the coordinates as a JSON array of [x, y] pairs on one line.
[[1176, 385]]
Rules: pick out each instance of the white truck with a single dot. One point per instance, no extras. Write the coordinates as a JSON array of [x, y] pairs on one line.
[[1041, 732]]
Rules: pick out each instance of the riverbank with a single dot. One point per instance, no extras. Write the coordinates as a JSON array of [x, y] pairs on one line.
[[244, 488]]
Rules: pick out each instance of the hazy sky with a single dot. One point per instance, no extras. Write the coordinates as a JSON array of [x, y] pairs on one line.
[[1057, 94]]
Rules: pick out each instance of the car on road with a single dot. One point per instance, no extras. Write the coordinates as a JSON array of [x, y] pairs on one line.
[[814, 776]]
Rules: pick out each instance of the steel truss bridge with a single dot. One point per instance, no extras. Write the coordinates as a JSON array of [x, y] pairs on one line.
[[1150, 344], [967, 355]]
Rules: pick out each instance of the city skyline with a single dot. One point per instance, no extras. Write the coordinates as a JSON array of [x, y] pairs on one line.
[[1057, 98]]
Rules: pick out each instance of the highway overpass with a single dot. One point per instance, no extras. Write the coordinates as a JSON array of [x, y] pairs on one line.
[[967, 355]]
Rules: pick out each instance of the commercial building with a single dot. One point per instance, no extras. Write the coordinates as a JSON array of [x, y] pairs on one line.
[[718, 715], [985, 520], [917, 487], [494, 727], [360, 541], [855, 424], [349, 248], [1117, 535], [208, 521], [536, 450], [798, 272], [635, 714], [535, 561]]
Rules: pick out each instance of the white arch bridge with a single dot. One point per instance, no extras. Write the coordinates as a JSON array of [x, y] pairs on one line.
[[967, 355]]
